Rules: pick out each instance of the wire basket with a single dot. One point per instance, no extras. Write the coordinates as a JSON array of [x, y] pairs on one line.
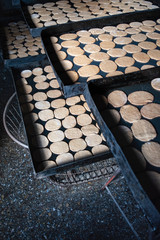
[[14, 127]]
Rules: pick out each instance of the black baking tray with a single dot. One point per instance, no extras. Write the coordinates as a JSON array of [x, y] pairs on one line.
[[69, 88], [64, 167], [36, 31], [7, 17], [128, 83]]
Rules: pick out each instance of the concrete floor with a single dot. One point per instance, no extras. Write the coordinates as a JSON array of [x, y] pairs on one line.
[[39, 209]]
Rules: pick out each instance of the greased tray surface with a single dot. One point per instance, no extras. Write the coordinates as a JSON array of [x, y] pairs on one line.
[[124, 144], [102, 37], [62, 133], [41, 14], [17, 44]]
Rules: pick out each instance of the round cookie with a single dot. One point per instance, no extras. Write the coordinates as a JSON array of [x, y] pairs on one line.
[[45, 115], [122, 40], [99, 56], [89, 130], [105, 37], [84, 119], [70, 43], [53, 124], [131, 48], [77, 109], [154, 54], [61, 113], [26, 73], [147, 45], [108, 66], [35, 129], [75, 51], [56, 136], [105, 45], [151, 151], [42, 105], [72, 100], [87, 71], [59, 147], [40, 96], [99, 149], [130, 113], [82, 155], [116, 52], [58, 103], [69, 122], [86, 40], [39, 141], [92, 48], [82, 60], [124, 61], [155, 83], [42, 85], [41, 154], [68, 36], [151, 110], [131, 69], [123, 135], [117, 98], [143, 130], [64, 158], [54, 93], [111, 117], [38, 79], [72, 133], [140, 98], [77, 144], [93, 140], [153, 35], [37, 71], [140, 37], [141, 57]]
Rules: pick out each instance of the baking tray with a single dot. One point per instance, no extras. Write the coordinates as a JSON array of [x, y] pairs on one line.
[[70, 87], [35, 31], [15, 17], [39, 162], [134, 172]]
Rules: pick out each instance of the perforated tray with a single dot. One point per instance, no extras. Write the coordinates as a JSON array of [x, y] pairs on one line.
[[144, 189], [72, 87]]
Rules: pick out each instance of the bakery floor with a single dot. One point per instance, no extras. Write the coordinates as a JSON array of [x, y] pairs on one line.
[[38, 209]]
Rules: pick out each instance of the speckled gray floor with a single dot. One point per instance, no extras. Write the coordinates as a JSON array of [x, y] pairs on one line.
[[39, 209]]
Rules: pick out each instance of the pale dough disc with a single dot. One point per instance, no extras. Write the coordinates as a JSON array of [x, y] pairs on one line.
[[45, 115], [75, 51], [143, 130], [147, 45], [67, 65], [132, 30], [82, 155], [151, 151], [109, 28], [37, 71], [96, 31], [35, 129], [45, 18], [158, 63], [46, 165], [61, 55], [116, 52], [83, 33], [157, 27], [155, 83], [54, 93], [89, 130], [111, 117], [86, 106], [69, 122], [147, 67], [38, 79], [82, 60], [122, 40], [105, 37], [41, 154], [140, 98], [48, 69], [53, 124], [25, 98], [89, 70], [158, 42], [149, 23], [40, 96], [56, 136], [77, 144], [61, 113], [84, 119], [131, 48], [73, 133], [26, 73], [135, 24], [125, 61], [122, 26], [108, 66], [77, 110], [72, 100], [140, 37], [49, 23], [135, 159], [93, 140], [42, 105], [123, 135], [64, 158], [105, 45], [68, 36], [99, 149], [86, 40], [72, 75], [58, 103], [54, 84], [130, 113], [131, 69], [154, 54], [118, 33], [151, 110], [117, 98], [39, 141], [33, 53], [115, 73], [92, 48], [59, 147], [70, 43], [153, 35], [42, 85], [30, 118], [141, 57], [51, 75], [94, 77], [146, 28], [99, 56]]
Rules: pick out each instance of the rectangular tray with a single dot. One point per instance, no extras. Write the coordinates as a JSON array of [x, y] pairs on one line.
[[134, 170], [15, 17], [40, 163], [70, 86], [35, 31]]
